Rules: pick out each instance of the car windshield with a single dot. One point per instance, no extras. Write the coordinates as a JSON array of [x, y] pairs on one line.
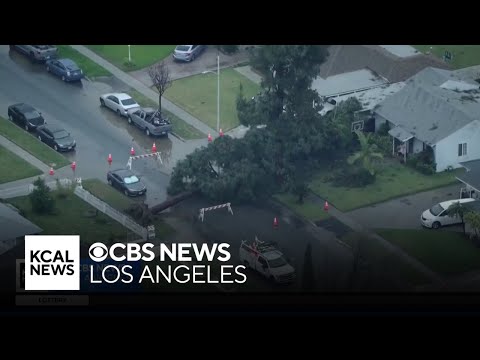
[[128, 102], [130, 179], [60, 134], [278, 262], [436, 210], [183, 47], [34, 118]]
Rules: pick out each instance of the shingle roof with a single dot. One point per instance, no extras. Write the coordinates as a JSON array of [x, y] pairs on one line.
[[428, 111]]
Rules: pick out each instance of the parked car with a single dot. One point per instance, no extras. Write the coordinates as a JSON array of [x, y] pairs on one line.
[[67, 69], [187, 52], [150, 121], [438, 215], [126, 181], [118, 102], [39, 53], [26, 116], [56, 137]]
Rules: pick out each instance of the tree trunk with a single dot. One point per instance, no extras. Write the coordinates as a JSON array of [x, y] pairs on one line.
[[464, 231], [160, 103]]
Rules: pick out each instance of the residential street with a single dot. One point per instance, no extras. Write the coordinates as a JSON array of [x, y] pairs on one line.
[[98, 131]]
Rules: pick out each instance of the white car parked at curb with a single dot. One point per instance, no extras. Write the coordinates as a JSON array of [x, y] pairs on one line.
[[118, 102]]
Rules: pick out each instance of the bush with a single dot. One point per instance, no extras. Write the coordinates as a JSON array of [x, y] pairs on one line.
[[228, 49], [384, 143], [423, 162], [63, 191], [353, 177], [41, 198]]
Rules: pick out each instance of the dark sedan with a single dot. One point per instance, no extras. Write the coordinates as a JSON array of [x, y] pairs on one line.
[[26, 116], [67, 69], [126, 181], [56, 137]]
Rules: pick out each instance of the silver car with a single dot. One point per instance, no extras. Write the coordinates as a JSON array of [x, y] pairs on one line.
[[188, 52], [118, 102], [150, 121]]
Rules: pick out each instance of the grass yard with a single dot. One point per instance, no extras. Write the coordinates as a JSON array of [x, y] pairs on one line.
[[392, 181], [90, 68], [381, 261], [180, 127], [309, 210], [463, 55], [31, 144], [445, 252], [121, 202], [73, 217], [198, 96], [141, 55], [17, 167]]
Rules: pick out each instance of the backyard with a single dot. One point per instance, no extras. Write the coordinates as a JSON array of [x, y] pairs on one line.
[[463, 55], [446, 252], [393, 181], [30, 144], [73, 217], [198, 96], [17, 167], [141, 55], [180, 127], [90, 68]]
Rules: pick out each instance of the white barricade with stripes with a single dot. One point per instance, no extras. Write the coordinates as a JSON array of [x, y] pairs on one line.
[[155, 154], [221, 206]]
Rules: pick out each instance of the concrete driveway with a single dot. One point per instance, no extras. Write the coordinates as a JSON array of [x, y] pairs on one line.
[[404, 213], [206, 61]]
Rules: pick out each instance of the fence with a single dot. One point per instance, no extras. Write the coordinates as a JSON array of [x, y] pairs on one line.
[[111, 212]]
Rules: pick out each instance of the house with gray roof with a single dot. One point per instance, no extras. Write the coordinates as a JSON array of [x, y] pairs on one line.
[[435, 109]]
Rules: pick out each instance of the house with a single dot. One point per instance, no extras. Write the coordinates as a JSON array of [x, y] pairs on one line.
[[436, 109], [13, 227]]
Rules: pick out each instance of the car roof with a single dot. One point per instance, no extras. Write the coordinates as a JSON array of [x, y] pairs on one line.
[[24, 107], [123, 172], [446, 204], [274, 254], [67, 62], [120, 96]]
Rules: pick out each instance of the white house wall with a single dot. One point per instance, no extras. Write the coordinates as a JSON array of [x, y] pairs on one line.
[[446, 151]]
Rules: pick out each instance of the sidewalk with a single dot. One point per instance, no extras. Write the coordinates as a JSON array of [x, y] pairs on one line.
[[145, 90], [24, 187], [348, 221], [17, 150]]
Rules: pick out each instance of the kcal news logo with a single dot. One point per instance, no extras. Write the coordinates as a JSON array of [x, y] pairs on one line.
[[52, 262]]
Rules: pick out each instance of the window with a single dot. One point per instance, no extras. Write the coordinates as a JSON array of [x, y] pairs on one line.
[[462, 149]]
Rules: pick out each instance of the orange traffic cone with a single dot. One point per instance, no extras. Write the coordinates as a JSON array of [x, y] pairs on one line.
[[51, 172], [221, 132], [209, 138], [275, 222], [132, 151], [325, 207]]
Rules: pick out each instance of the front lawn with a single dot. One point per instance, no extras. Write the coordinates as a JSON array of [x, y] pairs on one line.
[[73, 217], [141, 55], [89, 67], [445, 252], [121, 202], [393, 181], [14, 167], [31, 144], [198, 96], [180, 127], [381, 262], [463, 55], [309, 209]]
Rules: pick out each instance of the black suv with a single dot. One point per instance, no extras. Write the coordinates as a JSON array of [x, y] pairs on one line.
[[56, 137], [26, 116]]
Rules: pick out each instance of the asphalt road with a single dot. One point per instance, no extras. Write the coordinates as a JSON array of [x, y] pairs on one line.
[[98, 131]]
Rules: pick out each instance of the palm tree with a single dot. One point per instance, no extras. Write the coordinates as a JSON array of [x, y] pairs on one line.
[[367, 154], [457, 209]]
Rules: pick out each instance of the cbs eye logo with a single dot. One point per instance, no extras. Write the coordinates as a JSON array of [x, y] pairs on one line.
[[98, 252]]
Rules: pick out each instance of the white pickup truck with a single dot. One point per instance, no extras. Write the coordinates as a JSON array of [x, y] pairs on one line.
[[268, 261]]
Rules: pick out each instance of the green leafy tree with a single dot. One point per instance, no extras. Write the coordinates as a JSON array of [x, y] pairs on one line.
[[458, 209], [41, 198], [472, 218], [308, 278], [367, 154]]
